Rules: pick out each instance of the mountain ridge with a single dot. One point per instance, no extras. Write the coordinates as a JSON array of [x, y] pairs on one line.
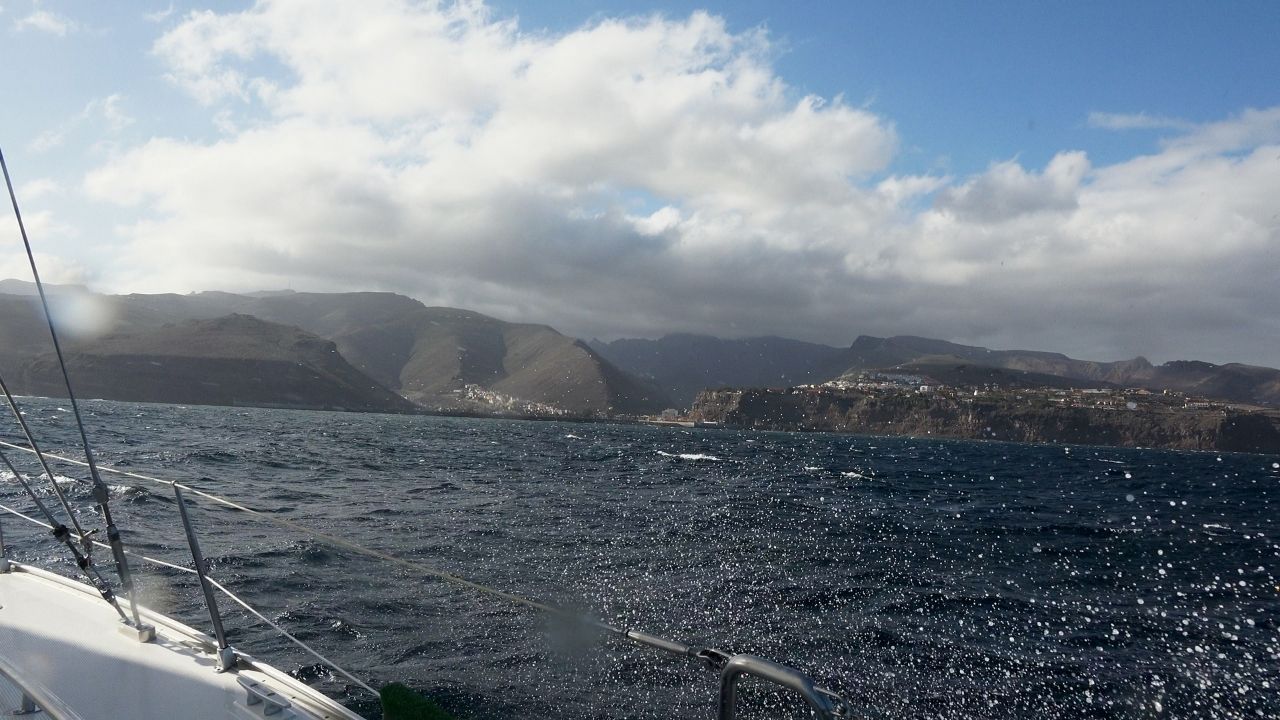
[[232, 360], [451, 359], [440, 359], [757, 362]]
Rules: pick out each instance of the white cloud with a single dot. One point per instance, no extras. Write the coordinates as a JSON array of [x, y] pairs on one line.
[[441, 151], [1136, 121], [44, 225], [660, 221], [432, 115], [103, 113], [109, 110], [48, 139], [46, 22], [35, 189], [54, 269], [159, 16], [1007, 191]]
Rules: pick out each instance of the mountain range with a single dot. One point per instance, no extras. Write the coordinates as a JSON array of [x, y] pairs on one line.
[[358, 351], [681, 365], [388, 352]]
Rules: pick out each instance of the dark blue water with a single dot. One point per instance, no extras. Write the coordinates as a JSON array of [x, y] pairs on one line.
[[922, 579]]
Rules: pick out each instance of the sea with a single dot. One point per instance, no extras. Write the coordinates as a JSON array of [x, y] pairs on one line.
[[918, 578]]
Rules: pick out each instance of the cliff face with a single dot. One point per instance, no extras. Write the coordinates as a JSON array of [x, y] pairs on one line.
[[977, 418], [441, 358], [431, 356], [235, 360]]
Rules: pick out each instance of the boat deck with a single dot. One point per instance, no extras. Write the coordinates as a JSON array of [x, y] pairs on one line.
[[63, 646]]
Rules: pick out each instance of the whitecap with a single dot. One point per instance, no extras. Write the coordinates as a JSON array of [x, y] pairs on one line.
[[690, 456]]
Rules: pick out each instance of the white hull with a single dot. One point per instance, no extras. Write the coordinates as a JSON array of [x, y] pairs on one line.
[[64, 648]]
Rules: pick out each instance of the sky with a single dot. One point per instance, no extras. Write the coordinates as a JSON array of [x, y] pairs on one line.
[[1099, 179]]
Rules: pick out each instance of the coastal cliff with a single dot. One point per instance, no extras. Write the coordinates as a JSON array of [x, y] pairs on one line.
[[357, 351], [235, 360], [995, 417]]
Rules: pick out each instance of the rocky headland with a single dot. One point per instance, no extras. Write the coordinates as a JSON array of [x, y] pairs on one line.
[[1111, 418]]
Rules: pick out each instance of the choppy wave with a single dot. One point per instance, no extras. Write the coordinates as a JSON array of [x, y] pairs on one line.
[[690, 456], [967, 580]]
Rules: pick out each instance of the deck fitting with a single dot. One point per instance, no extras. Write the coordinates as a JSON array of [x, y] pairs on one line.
[[141, 633]]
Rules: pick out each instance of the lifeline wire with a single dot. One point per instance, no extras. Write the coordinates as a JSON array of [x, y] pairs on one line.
[[715, 658], [295, 640], [53, 481], [353, 547], [102, 496], [83, 561], [331, 539], [225, 591]]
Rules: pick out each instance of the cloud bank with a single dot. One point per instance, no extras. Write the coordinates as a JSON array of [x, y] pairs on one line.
[[648, 175]]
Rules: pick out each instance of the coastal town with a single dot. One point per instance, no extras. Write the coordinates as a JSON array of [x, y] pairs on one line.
[[916, 404], [1106, 398]]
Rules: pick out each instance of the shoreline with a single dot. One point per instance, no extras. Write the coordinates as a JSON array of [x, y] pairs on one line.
[[701, 425]]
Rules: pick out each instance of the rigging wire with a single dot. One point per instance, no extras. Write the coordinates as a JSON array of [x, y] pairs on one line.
[[53, 480], [62, 534], [713, 657], [334, 540], [295, 640], [235, 598], [100, 493], [101, 496]]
